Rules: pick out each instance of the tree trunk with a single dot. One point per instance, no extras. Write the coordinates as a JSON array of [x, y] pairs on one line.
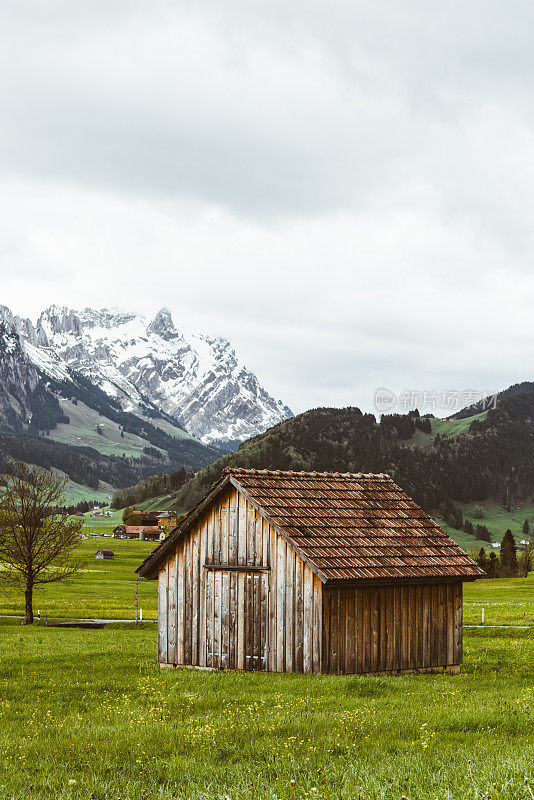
[[28, 619]]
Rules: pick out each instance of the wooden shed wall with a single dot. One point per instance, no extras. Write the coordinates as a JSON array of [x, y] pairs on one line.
[[267, 615], [388, 628]]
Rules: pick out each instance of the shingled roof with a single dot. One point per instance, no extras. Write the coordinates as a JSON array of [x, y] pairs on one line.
[[347, 526]]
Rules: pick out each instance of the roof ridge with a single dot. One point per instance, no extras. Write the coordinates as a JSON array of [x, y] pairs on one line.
[[302, 474]]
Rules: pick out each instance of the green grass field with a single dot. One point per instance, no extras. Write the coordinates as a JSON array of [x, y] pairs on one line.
[[89, 714], [107, 586]]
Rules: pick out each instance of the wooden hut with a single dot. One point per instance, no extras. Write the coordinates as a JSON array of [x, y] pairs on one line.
[[309, 572], [106, 554]]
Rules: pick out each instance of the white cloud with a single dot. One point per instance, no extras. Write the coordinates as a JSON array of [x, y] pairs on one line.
[[342, 189]]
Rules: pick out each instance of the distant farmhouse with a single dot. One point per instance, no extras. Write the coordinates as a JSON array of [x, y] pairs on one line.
[[106, 554], [167, 519], [309, 572], [149, 533]]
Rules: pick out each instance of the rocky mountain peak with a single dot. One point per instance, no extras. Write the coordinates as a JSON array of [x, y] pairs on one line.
[[162, 325], [57, 320]]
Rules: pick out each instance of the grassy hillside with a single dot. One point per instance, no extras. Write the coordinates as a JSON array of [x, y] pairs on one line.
[[76, 492], [89, 714], [82, 430], [443, 427]]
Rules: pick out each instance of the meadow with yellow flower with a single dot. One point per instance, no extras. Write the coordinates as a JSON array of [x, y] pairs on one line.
[[89, 715]]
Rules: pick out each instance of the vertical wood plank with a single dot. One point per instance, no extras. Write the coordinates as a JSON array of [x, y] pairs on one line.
[[265, 533], [195, 592], [217, 630], [359, 631], [250, 522], [232, 621], [232, 528], [273, 539], [307, 645], [341, 626], [162, 615], [375, 628], [327, 632], [241, 530], [419, 631], [290, 610], [350, 633], [383, 643], [412, 626], [240, 620], [390, 628], [202, 595], [442, 624], [188, 600], [299, 564], [171, 611], [180, 603], [435, 625], [280, 604], [223, 516], [317, 635], [450, 623], [366, 629], [406, 601], [427, 626], [215, 523], [225, 619], [458, 623], [209, 618], [249, 621], [264, 620]]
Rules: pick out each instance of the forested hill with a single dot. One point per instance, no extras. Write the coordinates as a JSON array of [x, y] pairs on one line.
[[437, 462]]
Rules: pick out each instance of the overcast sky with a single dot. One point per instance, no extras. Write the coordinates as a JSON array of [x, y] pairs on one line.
[[343, 189]]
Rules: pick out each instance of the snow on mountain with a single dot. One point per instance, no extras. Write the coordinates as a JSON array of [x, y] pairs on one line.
[[195, 378], [18, 377]]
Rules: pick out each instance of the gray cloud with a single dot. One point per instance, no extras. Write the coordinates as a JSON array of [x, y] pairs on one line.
[[345, 190]]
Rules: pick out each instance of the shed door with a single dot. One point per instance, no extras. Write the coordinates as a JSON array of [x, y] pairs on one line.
[[236, 619]]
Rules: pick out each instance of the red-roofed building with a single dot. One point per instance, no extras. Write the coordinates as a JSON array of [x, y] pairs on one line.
[[149, 533]]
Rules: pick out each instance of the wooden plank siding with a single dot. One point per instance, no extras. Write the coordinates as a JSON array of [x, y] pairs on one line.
[[391, 628], [234, 594]]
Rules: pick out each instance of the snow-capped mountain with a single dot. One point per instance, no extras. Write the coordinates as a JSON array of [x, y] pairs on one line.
[[15, 371], [144, 364]]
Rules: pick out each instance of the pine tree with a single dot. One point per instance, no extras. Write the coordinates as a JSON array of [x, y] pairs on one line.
[[482, 533], [508, 555], [493, 566], [468, 527], [526, 528], [482, 560]]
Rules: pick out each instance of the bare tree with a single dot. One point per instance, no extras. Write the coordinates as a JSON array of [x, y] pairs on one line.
[[38, 538], [525, 560]]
